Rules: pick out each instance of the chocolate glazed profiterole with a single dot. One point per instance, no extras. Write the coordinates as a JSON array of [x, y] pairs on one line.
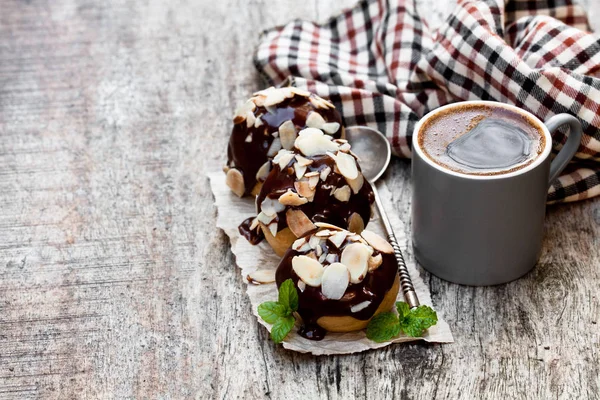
[[318, 180], [343, 279], [258, 127]]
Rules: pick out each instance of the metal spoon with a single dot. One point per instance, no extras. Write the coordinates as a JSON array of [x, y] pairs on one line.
[[374, 151]]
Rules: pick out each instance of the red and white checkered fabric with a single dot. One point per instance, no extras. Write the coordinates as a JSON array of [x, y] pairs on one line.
[[382, 66]]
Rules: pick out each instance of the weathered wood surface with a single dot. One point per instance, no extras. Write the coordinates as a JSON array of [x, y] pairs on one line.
[[114, 282]]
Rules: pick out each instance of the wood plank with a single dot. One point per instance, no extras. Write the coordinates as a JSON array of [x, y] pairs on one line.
[[113, 280]]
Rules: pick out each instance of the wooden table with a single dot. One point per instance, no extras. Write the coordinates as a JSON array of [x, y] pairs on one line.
[[114, 282]]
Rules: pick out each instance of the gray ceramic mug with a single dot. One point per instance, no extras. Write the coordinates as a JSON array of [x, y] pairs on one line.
[[484, 230]]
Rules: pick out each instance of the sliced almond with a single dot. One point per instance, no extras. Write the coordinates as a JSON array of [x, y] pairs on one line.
[[250, 119], [360, 306], [375, 262], [330, 127], [327, 226], [304, 190], [299, 223], [356, 257], [377, 242], [273, 228], [324, 233], [301, 285], [315, 120], [299, 92], [313, 181], [263, 171], [291, 198], [357, 183], [287, 133], [264, 92], [258, 122], [261, 276], [345, 147], [319, 253], [264, 218], [338, 238], [311, 174], [284, 160], [254, 224], [342, 194], [322, 257], [235, 181], [307, 269], [299, 244], [300, 170], [312, 142], [274, 148], [242, 111], [346, 164], [314, 242], [274, 97], [303, 161], [331, 258], [334, 281], [259, 100], [271, 207], [356, 223], [325, 173], [248, 138]]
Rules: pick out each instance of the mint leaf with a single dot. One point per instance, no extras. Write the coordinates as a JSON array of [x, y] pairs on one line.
[[418, 320], [403, 308], [281, 328], [270, 311], [288, 296], [383, 327]]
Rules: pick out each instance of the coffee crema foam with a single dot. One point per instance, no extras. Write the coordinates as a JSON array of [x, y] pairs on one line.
[[477, 139]]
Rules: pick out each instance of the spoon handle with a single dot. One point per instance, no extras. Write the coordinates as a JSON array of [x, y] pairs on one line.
[[405, 282]]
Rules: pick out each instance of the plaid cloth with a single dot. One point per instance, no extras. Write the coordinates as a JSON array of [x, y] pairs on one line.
[[382, 66]]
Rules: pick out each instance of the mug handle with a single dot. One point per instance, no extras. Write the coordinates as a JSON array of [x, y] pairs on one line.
[[570, 148]]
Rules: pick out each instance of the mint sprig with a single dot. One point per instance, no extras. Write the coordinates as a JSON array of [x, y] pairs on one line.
[[385, 326], [280, 313]]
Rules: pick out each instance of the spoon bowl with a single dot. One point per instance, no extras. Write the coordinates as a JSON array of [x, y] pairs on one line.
[[373, 149]]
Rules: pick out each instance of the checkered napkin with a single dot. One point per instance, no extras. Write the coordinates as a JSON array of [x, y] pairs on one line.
[[382, 66]]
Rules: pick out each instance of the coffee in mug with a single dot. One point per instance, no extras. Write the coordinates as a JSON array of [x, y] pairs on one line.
[[478, 139]]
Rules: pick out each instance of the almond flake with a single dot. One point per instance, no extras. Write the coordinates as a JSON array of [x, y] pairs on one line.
[[334, 281], [312, 142], [263, 171], [298, 243], [346, 164], [250, 119], [248, 138], [290, 198], [299, 223], [377, 242], [264, 218], [242, 111], [328, 226], [314, 242], [304, 162], [357, 183], [299, 92], [330, 127], [356, 223], [259, 100], [258, 122], [311, 174], [327, 103], [261, 276], [325, 173], [331, 258], [300, 170], [315, 120], [342, 194], [360, 306], [313, 181], [303, 189], [319, 253], [287, 133], [284, 160], [338, 238], [375, 262], [274, 148], [307, 269], [356, 257], [273, 228], [275, 134], [271, 207], [322, 258], [274, 97], [235, 181], [264, 92], [301, 286], [324, 233], [254, 224], [345, 147]]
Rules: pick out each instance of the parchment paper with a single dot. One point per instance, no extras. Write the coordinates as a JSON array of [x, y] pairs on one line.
[[233, 210]]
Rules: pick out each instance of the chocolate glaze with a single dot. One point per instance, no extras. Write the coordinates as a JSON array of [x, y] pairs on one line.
[[324, 207], [312, 304], [254, 236], [248, 157]]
